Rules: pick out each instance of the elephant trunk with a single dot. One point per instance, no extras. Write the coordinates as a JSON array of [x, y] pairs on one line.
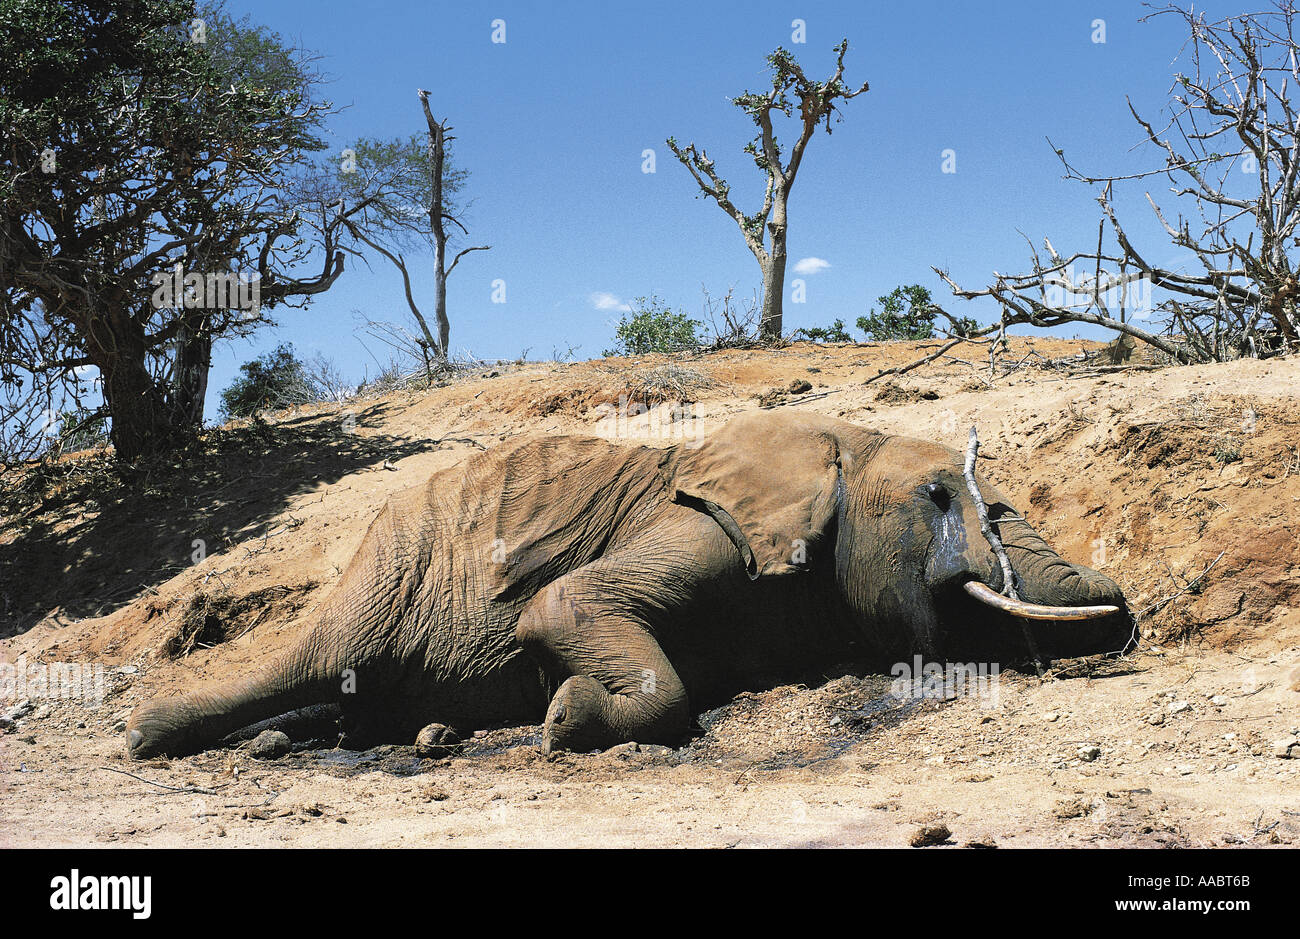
[[1045, 578]]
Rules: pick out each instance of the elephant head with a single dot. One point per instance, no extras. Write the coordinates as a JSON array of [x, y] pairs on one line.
[[893, 519]]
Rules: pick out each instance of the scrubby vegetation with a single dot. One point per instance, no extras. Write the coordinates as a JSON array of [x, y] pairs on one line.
[[909, 313], [652, 326]]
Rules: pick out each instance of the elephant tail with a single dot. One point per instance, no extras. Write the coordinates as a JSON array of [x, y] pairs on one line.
[[191, 722]]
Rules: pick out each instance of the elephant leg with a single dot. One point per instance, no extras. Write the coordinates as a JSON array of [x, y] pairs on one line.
[[596, 625]]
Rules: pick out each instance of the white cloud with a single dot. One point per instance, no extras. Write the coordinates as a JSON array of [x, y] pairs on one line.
[[607, 301], [811, 266]]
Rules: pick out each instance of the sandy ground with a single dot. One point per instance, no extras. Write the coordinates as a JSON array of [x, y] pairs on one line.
[[1181, 483]]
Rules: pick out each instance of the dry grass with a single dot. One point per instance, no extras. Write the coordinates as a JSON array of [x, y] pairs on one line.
[[670, 382]]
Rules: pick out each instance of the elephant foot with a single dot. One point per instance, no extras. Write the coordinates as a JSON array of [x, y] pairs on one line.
[[576, 718], [435, 741]]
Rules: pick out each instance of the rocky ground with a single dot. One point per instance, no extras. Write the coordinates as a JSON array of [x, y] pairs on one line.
[[1181, 483]]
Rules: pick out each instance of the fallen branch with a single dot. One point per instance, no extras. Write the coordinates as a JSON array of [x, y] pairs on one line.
[[899, 370], [1186, 587], [1008, 575], [973, 337], [812, 397], [183, 789]]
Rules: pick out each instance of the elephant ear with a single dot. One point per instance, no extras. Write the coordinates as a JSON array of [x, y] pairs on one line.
[[773, 484]]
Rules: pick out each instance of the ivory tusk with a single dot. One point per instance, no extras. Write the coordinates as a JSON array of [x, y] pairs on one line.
[[986, 594]]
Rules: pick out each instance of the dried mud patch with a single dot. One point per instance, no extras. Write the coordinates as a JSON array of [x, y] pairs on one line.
[[796, 726]]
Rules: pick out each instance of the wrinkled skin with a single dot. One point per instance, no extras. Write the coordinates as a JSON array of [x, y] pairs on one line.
[[630, 587]]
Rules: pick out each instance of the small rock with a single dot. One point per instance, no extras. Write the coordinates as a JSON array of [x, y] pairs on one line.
[[20, 710], [1072, 808], [624, 750], [1286, 747], [1218, 700], [929, 835], [435, 741], [1185, 770], [1179, 707], [799, 386], [28, 739], [128, 669], [269, 745], [7, 724], [1051, 717], [41, 713], [1089, 752], [1156, 719], [119, 727]]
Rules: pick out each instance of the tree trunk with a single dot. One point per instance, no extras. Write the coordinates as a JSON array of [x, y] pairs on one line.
[[142, 422], [190, 378], [437, 160], [774, 283], [440, 297]]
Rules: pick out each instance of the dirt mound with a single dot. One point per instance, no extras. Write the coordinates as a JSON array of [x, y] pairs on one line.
[[891, 393]]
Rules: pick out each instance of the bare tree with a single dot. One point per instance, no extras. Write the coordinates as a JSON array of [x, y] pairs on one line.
[[765, 230], [438, 215], [402, 192], [1231, 154]]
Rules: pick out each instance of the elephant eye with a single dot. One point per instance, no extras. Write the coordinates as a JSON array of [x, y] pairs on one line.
[[938, 495]]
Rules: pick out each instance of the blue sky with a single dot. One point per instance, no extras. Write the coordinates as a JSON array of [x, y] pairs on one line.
[[552, 125]]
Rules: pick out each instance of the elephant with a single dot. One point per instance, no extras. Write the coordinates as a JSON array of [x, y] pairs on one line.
[[613, 591]]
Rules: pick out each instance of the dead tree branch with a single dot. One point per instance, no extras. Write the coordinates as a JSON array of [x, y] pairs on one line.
[[1008, 575]]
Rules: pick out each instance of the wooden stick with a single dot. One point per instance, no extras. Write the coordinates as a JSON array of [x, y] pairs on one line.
[[186, 789], [1008, 575]]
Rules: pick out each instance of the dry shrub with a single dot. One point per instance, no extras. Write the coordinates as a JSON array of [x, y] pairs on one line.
[[667, 383]]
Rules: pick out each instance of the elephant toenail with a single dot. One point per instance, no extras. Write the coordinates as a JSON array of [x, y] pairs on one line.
[[560, 713], [134, 739]]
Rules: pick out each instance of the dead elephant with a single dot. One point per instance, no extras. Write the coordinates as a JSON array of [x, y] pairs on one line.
[[612, 591]]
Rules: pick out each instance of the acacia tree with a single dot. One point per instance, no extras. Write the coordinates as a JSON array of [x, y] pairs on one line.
[[1231, 154], [145, 142], [403, 192], [765, 230]]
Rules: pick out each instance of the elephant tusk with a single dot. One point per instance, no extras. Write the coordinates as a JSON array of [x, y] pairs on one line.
[[986, 594]]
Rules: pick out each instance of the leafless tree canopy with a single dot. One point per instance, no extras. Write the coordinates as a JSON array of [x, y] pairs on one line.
[[1230, 154], [765, 230]]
